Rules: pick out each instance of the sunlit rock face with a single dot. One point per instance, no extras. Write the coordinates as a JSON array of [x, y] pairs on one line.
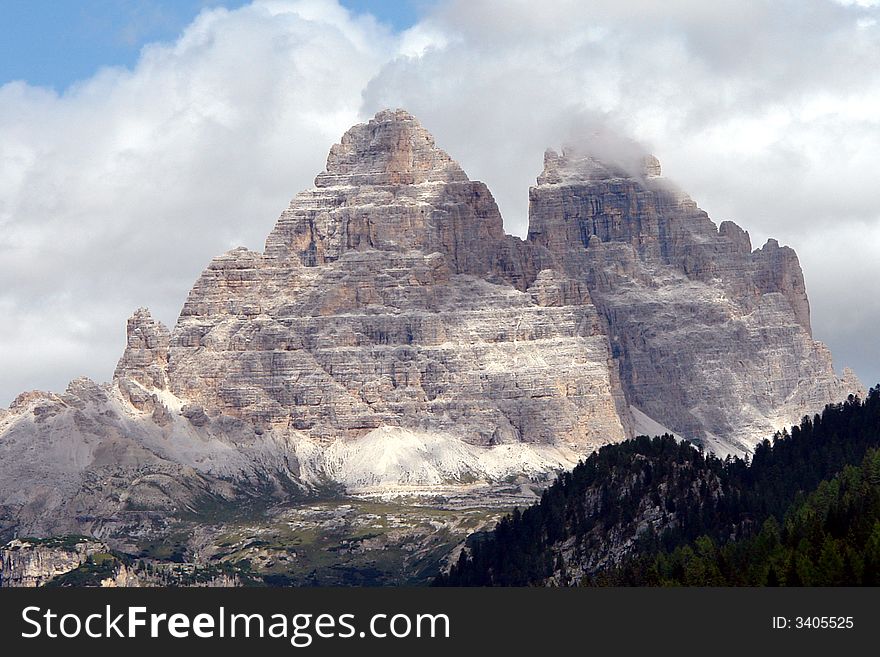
[[390, 296]]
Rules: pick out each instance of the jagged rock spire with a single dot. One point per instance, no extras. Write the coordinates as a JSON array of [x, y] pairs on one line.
[[146, 353]]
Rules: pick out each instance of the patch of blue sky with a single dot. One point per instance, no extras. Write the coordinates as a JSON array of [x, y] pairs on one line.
[[55, 43]]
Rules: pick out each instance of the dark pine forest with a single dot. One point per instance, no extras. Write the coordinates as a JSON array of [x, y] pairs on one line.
[[805, 510]]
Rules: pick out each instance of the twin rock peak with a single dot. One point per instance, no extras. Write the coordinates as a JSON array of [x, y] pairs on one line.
[[389, 296]]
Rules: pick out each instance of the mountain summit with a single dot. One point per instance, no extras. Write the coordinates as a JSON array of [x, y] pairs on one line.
[[392, 337], [387, 187], [391, 149]]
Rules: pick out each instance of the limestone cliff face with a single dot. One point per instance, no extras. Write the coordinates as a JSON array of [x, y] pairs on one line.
[[25, 564], [144, 363], [713, 339], [389, 296], [578, 198]]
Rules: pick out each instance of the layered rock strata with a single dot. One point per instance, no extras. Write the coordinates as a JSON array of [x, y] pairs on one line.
[[389, 296]]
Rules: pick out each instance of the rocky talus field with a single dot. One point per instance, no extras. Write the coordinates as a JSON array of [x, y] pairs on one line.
[[393, 372]]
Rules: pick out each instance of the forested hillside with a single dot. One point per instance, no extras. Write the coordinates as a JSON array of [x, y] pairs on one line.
[[830, 539], [657, 511]]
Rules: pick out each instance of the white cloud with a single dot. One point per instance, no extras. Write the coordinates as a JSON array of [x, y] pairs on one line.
[[118, 192], [859, 3]]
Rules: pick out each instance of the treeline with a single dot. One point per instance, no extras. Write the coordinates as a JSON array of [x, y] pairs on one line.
[[618, 515], [831, 539]]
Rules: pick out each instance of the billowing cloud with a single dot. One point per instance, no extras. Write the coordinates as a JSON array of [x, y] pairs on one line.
[[116, 193]]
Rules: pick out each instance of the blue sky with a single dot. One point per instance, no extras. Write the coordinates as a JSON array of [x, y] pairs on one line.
[[52, 43]]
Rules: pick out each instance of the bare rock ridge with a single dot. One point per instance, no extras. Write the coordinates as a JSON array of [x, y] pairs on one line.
[[33, 563], [392, 336]]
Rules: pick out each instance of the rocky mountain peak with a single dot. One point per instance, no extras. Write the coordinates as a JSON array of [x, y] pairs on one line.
[[578, 165], [392, 148], [387, 187], [680, 292]]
